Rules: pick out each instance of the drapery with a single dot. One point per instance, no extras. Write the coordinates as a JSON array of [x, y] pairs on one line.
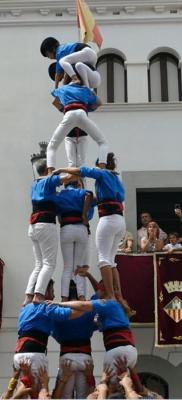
[[168, 299], [137, 283]]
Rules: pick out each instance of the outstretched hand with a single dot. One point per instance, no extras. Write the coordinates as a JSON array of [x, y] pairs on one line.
[[81, 270], [67, 368]]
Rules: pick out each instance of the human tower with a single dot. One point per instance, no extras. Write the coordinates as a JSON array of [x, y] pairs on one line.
[[71, 323]]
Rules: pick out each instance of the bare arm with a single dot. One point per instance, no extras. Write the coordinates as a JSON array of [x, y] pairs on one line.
[[71, 170], [22, 392], [56, 103], [62, 380], [127, 384], [86, 206], [44, 379], [92, 280], [76, 314], [144, 244], [75, 305], [82, 271], [58, 78], [12, 384]]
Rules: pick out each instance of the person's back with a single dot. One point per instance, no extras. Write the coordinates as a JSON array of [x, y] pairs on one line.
[[111, 314], [34, 326], [71, 200], [44, 189], [74, 337], [108, 185], [74, 93], [117, 335], [77, 329]]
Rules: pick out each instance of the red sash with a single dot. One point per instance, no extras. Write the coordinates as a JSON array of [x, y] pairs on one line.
[[21, 341], [75, 106]]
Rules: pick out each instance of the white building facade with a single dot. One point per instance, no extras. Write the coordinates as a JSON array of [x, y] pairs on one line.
[[140, 63]]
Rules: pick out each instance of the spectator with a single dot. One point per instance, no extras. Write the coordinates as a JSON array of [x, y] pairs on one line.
[[173, 244], [178, 212], [152, 242], [145, 218], [126, 244]]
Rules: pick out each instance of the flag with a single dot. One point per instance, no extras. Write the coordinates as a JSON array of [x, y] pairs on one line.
[[86, 22], [168, 300]]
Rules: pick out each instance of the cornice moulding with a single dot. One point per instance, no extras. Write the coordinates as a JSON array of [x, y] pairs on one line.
[[43, 18], [148, 107], [91, 3], [97, 6]]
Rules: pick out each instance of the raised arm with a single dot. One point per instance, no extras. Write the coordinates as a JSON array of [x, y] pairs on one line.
[[82, 271], [71, 170], [58, 78], [78, 305], [62, 380], [86, 206], [74, 305]]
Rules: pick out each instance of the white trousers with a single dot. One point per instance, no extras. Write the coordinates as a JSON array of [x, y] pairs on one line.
[[74, 240], [45, 244], [86, 55], [77, 380], [72, 119], [36, 360], [127, 354], [110, 230], [76, 149], [89, 78]]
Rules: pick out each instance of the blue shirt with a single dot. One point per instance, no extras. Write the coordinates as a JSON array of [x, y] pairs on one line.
[[45, 189], [76, 329], [111, 314], [62, 51], [73, 93], [108, 186], [71, 200], [41, 317]]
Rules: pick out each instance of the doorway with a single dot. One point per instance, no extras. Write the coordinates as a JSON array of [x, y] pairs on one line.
[[160, 204]]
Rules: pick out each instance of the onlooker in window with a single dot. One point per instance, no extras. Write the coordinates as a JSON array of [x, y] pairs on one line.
[[145, 218], [152, 242], [173, 244], [126, 244], [178, 212]]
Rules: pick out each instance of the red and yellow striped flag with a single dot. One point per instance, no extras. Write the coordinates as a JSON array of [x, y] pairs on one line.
[[86, 22]]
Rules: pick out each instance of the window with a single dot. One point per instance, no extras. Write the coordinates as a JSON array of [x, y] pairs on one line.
[[113, 88], [160, 203], [164, 78]]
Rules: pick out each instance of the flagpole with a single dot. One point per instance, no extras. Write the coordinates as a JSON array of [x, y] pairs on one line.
[[77, 24]]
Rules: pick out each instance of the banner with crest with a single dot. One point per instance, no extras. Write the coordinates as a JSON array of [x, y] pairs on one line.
[[168, 299]]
